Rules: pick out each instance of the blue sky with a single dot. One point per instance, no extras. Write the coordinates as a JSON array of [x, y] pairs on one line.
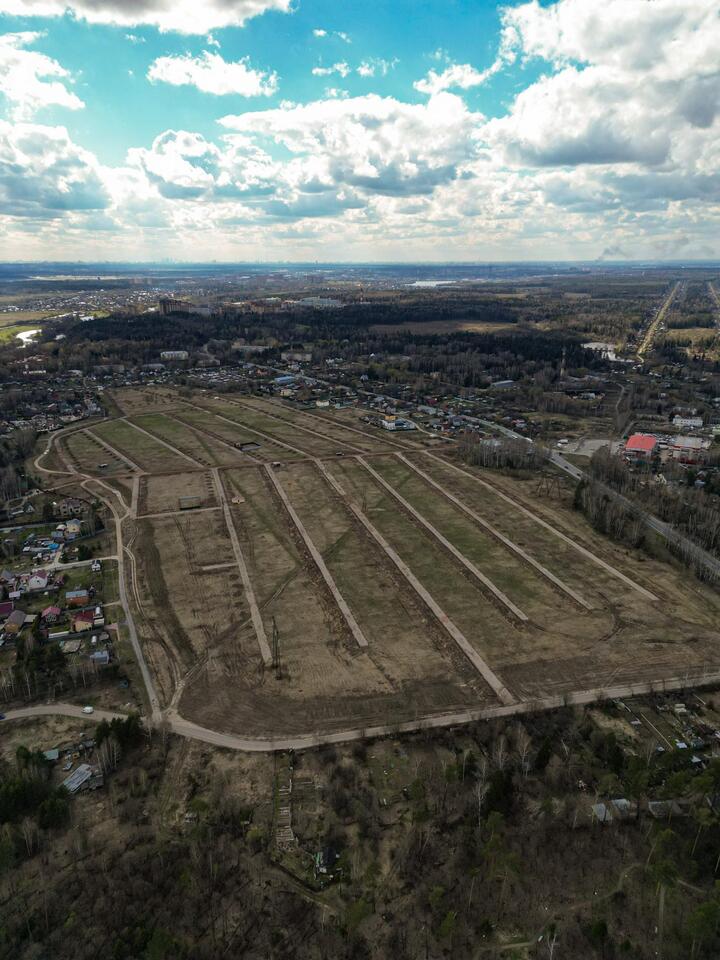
[[431, 129]]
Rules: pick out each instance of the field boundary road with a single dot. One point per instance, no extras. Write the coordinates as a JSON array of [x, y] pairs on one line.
[[110, 449], [486, 582], [500, 537], [345, 610], [482, 667], [548, 526], [164, 443], [230, 741], [255, 614], [85, 479]]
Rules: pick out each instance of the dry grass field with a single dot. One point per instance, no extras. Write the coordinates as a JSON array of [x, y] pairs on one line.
[[392, 581]]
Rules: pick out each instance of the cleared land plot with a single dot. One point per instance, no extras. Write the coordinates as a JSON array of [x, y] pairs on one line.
[[87, 454], [482, 622], [187, 616], [403, 637], [594, 582], [327, 427], [195, 620], [319, 667], [327, 681], [162, 494], [308, 444], [228, 423], [521, 583], [199, 446], [144, 451], [640, 639], [137, 400]]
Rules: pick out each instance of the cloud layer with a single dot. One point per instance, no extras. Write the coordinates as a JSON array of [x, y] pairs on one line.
[[615, 145], [183, 16]]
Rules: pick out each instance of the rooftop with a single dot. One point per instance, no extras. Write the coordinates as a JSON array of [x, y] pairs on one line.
[[643, 442]]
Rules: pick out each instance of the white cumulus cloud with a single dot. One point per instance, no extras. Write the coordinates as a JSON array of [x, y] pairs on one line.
[[341, 68], [632, 82], [43, 174], [377, 144], [183, 16], [376, 65], [460, 76], [210, 73], [30, 80]]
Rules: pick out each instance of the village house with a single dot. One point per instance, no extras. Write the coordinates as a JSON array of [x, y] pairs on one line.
[[70, 507], [82, 621], [73, 529], [77, 598], [14, 623], [38, 581], [51, 614]]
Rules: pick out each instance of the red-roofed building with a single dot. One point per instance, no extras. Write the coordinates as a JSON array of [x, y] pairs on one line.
[[641, 446], [82, 621], [50, 614]]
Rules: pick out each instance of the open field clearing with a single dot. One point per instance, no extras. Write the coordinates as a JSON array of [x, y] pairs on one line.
[[350, 440], [531, 592], [12, 331], [225, 431], [87, 454], [195, 443], [231, 421], [448, 326], [481, 492], [139, 447], [402, 636], [187, 615], [485, 622], [163, 494], [25, 317], [642, 637], [326, 679], [304, 444], [391, 583], [138, 400]]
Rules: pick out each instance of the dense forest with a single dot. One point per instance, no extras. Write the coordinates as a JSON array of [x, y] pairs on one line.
[[456, 863]]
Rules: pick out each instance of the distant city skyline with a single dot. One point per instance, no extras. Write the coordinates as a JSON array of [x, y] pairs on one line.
[[271, 130]]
